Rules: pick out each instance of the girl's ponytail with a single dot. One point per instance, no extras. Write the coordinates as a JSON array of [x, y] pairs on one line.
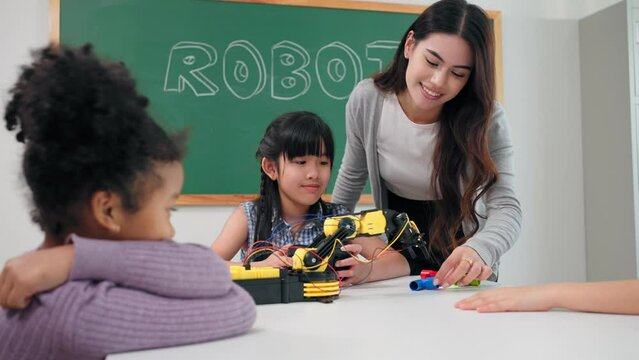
[[269, 199]]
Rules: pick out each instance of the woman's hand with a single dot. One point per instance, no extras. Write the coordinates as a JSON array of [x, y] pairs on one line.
[[462, 266], [27, 275], [533, 298]]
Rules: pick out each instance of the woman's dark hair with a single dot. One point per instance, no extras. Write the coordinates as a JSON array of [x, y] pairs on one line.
[[292, 134], [462, 149], [85, 129]]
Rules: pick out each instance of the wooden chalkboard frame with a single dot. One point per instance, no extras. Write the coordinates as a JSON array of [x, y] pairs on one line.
[[234, 199]]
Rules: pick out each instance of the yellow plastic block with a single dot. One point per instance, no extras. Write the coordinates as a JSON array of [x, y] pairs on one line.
[[320, 289], [240, 273]]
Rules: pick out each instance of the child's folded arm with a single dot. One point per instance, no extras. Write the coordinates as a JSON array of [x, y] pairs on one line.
[[118, 319], [164, 268]]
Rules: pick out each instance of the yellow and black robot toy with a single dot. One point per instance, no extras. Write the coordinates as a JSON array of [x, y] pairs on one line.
[[312, 276]]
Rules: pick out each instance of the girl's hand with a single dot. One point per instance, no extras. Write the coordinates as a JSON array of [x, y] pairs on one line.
[[278, 259], [353, 265], [533, 298], [27, 275], [462, 266]]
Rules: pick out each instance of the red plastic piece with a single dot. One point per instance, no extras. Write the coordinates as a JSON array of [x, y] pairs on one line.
[[427, 273]]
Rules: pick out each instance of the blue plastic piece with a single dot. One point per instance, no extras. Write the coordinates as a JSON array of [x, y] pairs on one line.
[[422, 284]]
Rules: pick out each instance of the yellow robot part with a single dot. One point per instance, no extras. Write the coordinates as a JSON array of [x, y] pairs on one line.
[[321, 289], [240, 273]]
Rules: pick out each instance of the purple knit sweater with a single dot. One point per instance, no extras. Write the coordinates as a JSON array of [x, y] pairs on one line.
[[129, 295]]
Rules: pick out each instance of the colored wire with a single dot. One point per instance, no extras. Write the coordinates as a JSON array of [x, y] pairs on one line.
[[399, 233]]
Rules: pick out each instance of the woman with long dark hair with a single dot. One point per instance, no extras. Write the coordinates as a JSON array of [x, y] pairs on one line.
[[429, 134]]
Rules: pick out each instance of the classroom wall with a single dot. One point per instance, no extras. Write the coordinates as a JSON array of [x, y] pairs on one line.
[[23, 25], [542, 102], [607, 145]]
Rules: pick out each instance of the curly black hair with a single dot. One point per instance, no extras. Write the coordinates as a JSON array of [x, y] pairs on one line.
[[85, 129]]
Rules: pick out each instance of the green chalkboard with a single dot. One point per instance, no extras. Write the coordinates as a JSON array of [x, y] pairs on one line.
[[226, 69]]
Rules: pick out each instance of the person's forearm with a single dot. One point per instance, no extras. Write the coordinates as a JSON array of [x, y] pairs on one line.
[[164, 268], [383, 265], [619, 297], [387, 266], [34, 272], [150, 321]]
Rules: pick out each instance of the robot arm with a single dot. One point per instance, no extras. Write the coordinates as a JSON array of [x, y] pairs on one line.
[[340, 229], [309, 278]]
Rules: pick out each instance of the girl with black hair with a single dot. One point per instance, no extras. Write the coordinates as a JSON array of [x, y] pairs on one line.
[[296, 156], [434, 143], [99, 167]]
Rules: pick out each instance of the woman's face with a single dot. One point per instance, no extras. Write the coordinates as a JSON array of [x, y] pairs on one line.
[[438, 68]]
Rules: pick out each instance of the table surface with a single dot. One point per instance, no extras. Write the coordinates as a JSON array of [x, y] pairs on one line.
[[385, 319]]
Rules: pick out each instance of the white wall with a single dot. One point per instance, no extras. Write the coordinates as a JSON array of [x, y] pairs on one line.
[[542, 101], [23, 25], [607, 135]]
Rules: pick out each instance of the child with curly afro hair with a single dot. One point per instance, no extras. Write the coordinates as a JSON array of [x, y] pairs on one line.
[[99, 167]]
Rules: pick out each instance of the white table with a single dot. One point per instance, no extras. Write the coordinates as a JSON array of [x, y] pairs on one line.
[[386, 320]]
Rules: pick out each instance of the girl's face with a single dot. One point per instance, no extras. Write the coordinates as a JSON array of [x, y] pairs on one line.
[[301, 180], [438, 68], [152, 221]]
